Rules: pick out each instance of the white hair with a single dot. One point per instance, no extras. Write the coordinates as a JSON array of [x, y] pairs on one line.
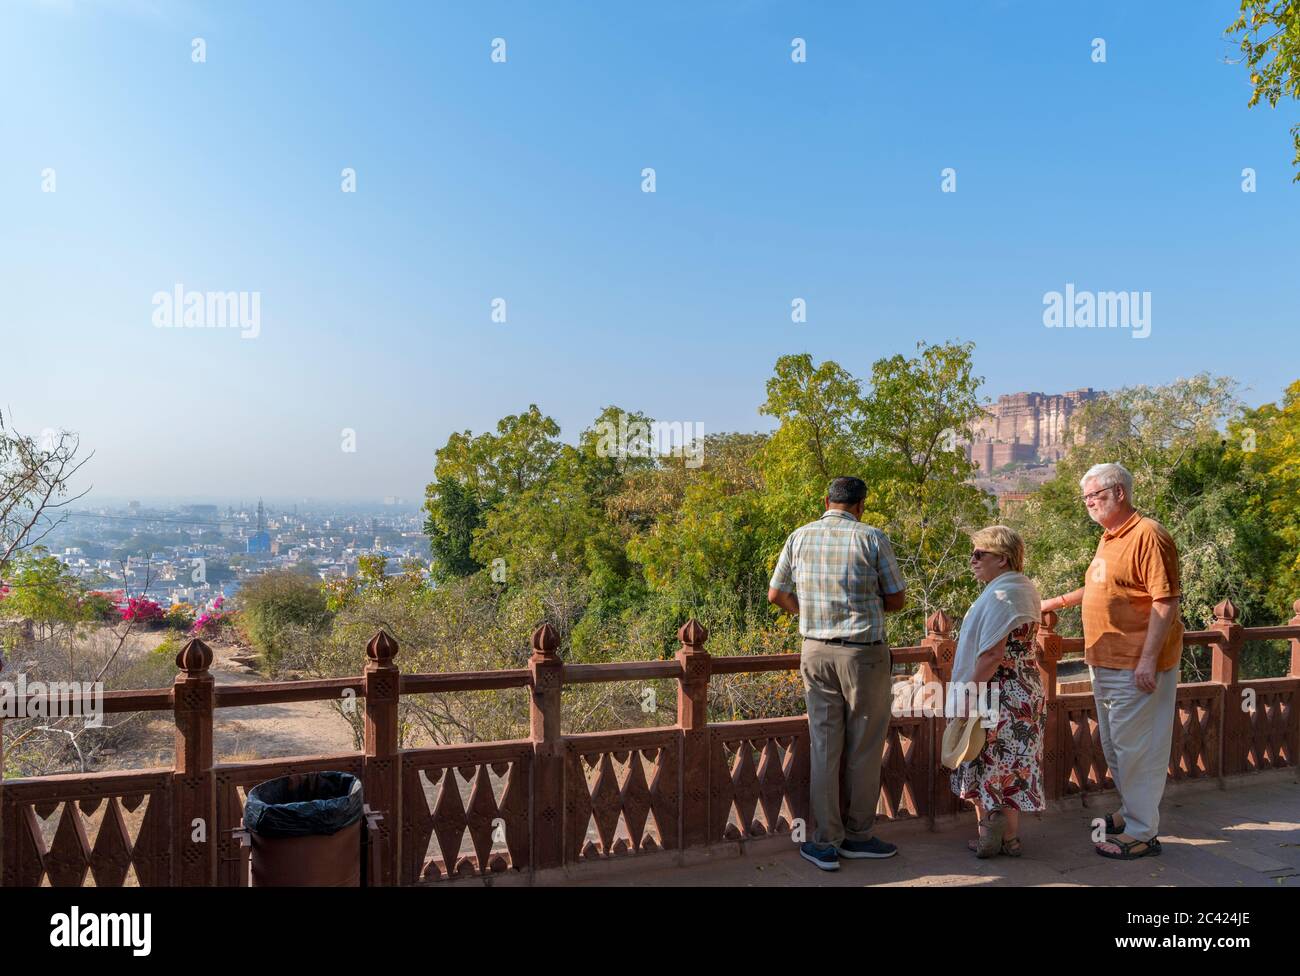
[[1109, 475]]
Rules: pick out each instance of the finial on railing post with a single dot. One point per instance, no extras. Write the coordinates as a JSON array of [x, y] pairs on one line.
[[693, 634], [696, 665], [1225, 610], [938, 638], [194, 658], [693, 719], [545, 641], [382, 648], [1227, 651], [938, 624], [546, 671]]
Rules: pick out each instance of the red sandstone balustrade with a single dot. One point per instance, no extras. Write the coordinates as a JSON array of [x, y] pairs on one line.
[[553, 799]]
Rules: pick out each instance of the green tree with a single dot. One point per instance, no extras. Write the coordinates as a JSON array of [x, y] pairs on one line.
[[454, 513], [518, 455], [41, 588], [614, 447], [818, 408], [918, 410], [1268, 32], [1266, 441], [474, 474], [548, 522], [275, 605]]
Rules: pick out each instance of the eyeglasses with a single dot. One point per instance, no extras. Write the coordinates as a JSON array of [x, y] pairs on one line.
[[1095, 494], [979, 554]]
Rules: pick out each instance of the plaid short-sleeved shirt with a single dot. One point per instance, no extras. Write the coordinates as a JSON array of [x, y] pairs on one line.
[[840, 569]]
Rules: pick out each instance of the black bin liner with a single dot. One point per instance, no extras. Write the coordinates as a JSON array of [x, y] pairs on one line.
[[303, 805]]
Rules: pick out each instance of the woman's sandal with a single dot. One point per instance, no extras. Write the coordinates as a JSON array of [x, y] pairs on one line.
[[991, 829], [1011, 847], [1126, 849]]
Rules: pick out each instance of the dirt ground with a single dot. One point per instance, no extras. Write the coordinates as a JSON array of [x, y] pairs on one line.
[[242, 734]]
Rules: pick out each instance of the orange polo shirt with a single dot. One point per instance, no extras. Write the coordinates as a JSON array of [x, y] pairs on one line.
[[1135, 564]]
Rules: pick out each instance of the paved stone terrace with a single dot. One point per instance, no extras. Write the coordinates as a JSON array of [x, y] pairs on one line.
[[1245, 835]]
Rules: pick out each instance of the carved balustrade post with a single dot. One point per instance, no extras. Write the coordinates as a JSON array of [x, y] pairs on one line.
[[943, 649], [1049, 654], [380, 776], [1295, 648], [194, 847], [1225, 670], [938, 670], [1293, 734], [548, 748], [693, 720]]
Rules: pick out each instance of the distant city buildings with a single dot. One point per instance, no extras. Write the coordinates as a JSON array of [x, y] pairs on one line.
[[211, 552], [259, 542]]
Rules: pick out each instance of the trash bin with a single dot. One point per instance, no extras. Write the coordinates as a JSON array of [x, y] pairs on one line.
[[306, 830]]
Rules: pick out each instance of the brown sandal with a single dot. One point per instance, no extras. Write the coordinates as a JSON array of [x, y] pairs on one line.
[[1011, 847], [991, 829], [1151, 849]]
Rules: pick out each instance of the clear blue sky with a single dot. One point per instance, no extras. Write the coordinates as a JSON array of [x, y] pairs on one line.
[[522, 180]]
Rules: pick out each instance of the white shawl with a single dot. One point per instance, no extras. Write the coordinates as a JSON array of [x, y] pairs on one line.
[[1006, 603]]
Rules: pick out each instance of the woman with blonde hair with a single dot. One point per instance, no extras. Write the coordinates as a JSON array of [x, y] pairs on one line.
[[996, 648]]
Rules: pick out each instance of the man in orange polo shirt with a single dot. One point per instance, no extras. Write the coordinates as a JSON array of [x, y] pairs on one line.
[[1133, 642]]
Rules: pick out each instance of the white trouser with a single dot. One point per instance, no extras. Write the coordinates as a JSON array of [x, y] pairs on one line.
[[1136, 729]]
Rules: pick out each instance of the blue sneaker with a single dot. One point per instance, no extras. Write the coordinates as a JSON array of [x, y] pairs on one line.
[[868, 848], [825, 858]]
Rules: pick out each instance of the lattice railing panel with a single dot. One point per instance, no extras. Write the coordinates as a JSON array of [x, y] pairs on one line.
[[465, 811], [758, 781], [106, 830], [621, 793], [1083, 762], [1193, 747], [904, 772], [1269, 730]]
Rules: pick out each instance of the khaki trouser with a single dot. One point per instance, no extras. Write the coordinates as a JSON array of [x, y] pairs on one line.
[[1135, 730], [847, 688]]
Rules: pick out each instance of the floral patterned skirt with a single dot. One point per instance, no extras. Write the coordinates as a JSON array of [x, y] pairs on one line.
[[1009, 770]]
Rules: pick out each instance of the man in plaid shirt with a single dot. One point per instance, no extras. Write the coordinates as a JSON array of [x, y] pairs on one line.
[[840, 577]]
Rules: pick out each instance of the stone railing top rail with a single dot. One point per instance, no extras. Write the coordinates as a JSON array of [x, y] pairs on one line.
[[195, 657]]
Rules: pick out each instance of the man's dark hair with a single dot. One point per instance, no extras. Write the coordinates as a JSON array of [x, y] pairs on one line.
[[847, 491]]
